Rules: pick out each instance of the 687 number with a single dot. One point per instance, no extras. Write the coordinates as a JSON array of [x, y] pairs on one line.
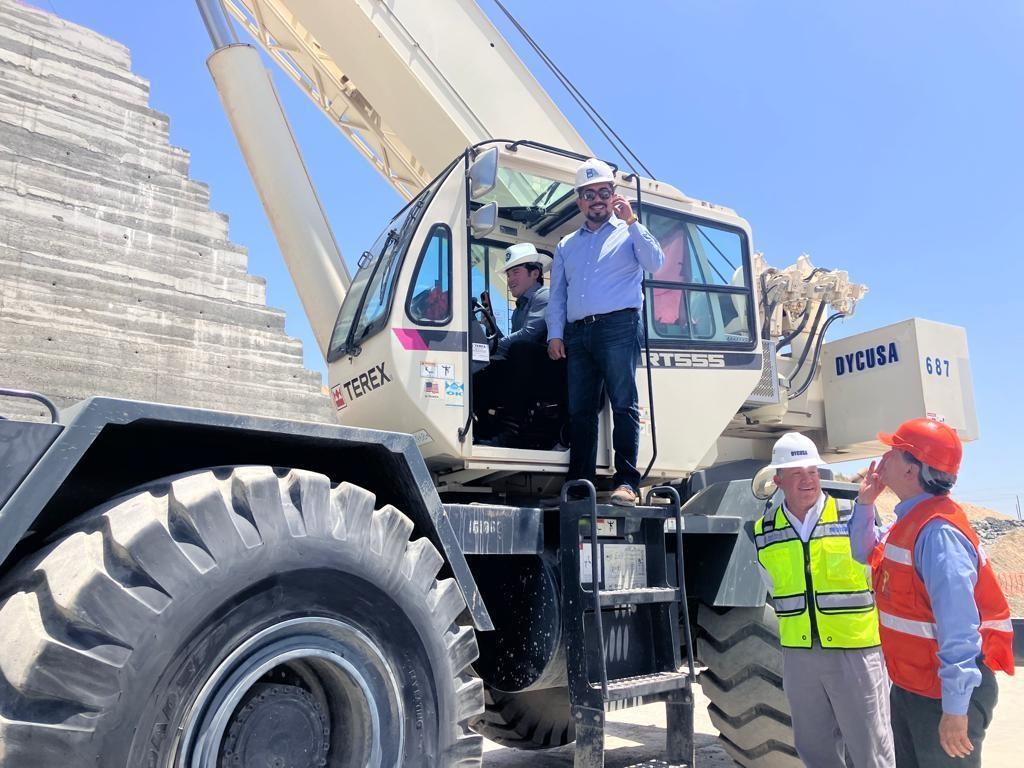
[[937, 366]]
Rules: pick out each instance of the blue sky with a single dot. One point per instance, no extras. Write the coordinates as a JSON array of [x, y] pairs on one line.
[[883, 138]]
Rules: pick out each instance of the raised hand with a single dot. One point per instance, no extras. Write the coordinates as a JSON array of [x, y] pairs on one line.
[[871, 485], [622, 208]]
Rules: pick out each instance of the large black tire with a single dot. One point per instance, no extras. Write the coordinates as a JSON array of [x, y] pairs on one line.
[[743, 680], [163, 600], [532, 720]]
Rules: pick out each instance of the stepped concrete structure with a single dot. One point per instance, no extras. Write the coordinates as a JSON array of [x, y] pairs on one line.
[[115, 276]]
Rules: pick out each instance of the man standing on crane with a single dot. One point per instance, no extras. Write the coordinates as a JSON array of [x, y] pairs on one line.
[[945, 624], [833, 671], [594, 320]]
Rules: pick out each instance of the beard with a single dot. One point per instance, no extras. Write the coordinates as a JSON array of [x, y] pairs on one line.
[[599, 217]]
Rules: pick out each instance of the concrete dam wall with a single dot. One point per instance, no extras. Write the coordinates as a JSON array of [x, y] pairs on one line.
[[116, 278]]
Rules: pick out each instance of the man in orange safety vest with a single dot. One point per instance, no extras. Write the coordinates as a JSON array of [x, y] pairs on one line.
[[943, 620]]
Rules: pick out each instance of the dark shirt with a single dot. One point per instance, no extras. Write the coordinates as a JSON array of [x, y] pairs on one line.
[[528, 324]]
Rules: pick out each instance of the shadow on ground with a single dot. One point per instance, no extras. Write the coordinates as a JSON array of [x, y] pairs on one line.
[[628, 744]]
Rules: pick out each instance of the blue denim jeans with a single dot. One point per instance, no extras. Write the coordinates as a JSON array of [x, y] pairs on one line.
[[603, 357]]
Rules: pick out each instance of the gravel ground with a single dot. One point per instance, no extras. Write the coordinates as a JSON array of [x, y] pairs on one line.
[[636, 737]]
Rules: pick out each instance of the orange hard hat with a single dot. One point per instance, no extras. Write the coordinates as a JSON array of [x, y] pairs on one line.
[[929, 441]]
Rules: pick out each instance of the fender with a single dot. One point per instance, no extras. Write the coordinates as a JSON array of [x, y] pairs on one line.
[[111, 446]]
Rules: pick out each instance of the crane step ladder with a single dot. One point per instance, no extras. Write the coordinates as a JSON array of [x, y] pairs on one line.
[[621, 616]]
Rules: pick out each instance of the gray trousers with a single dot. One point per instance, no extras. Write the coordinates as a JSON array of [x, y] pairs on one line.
[[839, 699], [915, 725]]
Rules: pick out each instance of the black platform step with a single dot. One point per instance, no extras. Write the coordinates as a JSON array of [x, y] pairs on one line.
[[660, 512], [644, 685], [640, 596]]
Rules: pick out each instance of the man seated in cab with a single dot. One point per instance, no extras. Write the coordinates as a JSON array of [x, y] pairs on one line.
[[519, 371]]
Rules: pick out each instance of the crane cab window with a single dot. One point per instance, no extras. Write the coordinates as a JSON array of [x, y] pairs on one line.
[[430, 297], [702, 295], [368, 301], [487, 276]]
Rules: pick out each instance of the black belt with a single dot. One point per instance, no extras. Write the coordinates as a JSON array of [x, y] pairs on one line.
[[591, 319]]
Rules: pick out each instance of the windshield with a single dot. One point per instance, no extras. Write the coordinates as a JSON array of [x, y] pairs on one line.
[[525, 197], [369, 296]]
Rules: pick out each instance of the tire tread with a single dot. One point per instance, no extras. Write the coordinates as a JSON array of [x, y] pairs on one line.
[[743, 682], [73, 613]]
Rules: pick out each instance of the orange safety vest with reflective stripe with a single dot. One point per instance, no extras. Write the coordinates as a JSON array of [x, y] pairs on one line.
[[905, 618]]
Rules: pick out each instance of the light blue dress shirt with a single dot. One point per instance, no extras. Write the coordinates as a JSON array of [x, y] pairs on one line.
[[599, 272], [948, 565]]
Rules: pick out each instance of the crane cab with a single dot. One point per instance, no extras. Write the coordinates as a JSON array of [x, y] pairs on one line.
[[407, 344]]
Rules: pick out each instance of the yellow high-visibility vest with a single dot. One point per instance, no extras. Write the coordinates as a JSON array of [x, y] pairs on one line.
[[819, 590]]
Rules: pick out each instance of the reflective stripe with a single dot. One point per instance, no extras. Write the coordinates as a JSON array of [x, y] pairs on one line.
[[907, 626], [786, 534], [830, 529], [999, 625], [899, 554], [794, 604], [845, 600]]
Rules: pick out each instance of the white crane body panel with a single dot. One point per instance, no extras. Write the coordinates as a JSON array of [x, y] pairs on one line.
[[410, 83]]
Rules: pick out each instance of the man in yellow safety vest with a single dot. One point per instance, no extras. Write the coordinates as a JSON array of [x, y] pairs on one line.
[[833, 671]]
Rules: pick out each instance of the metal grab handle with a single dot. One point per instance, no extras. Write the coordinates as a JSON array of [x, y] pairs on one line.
[[50, 406], [594, 562], [667, 491]]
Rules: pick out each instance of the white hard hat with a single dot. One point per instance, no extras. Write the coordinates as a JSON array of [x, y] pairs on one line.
[[790, 450], [525, 253], [593, 171], [794, 450]]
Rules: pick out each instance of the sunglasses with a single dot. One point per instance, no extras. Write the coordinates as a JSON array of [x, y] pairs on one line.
[[590, 195]]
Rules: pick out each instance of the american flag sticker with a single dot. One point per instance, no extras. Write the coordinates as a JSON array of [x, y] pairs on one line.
[[432, 389]]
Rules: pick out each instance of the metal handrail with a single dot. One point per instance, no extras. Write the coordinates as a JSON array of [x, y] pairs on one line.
[[50, 406], [647, 344], [667, 491], [594, 562]]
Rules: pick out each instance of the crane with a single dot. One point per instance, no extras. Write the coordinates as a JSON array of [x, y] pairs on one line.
[[193, 588]]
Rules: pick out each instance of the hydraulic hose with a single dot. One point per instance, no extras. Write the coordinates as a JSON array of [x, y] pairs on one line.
[[817, 355], [803, 355], [796, 332]]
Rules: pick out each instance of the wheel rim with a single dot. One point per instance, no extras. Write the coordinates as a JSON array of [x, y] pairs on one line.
[[322, 683]]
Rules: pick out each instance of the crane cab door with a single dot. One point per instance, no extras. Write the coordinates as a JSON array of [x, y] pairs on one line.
[[406, 344], [398, 357]]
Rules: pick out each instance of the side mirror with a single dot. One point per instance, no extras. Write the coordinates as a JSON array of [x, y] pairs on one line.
[[483, 173], [483, 220], [763, 485]]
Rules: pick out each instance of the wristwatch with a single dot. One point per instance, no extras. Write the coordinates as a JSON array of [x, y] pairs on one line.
[[631, 220]]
